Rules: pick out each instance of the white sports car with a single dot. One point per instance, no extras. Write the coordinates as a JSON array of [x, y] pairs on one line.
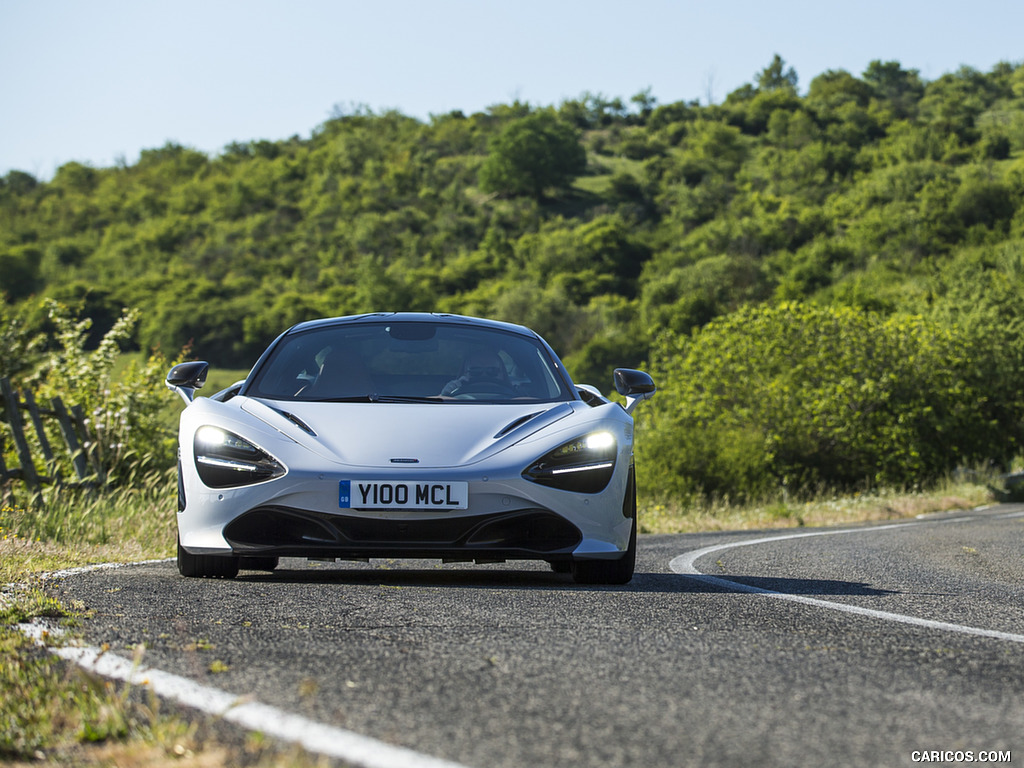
[[407, 435]]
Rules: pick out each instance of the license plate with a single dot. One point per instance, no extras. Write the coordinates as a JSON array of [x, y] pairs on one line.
[[402, 494]]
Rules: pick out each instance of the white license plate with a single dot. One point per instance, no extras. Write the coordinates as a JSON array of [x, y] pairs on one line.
[[402, 494]]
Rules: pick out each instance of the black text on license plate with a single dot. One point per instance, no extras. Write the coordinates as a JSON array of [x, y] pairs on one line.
[[374, 494]]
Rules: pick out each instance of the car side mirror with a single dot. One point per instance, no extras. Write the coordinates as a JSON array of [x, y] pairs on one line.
[[186, 378], [635, 386]]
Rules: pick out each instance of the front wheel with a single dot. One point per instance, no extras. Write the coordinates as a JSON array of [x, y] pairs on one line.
[[607, 571], [613, 571], [206, 566]]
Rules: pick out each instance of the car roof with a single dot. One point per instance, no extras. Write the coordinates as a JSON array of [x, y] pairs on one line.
[[414, 317]]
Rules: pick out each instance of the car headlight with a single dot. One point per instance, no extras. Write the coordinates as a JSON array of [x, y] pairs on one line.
[[223, 459], [583, 465]]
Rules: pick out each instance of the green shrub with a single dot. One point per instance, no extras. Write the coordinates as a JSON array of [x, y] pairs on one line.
[[124, 405], [802, 397]]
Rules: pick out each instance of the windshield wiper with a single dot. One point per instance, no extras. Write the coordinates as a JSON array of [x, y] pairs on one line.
[[405, 399], [375, 398], [353, 399]]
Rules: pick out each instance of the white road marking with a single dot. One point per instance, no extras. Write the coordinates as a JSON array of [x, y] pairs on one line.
[[685, 565], [243, 711]]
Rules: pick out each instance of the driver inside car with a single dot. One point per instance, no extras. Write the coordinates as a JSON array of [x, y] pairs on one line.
[[479, 368]]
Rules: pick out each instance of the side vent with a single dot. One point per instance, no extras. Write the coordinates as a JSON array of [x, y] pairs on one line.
[[518, 422], [297, 422]]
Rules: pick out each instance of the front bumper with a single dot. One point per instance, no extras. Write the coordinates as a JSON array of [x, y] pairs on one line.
[[508, 519], [280, 531]]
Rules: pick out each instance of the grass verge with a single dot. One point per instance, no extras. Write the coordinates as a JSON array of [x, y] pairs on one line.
[[53, 713], [822, 510]]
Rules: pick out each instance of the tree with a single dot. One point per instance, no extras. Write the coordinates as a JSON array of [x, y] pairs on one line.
[[19, 272], [18, 183], [645, 102], [836, 87], [776, 77], [899, 88], [532, 154]]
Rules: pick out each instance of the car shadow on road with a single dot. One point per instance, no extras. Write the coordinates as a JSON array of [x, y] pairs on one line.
[[789, 586], [663, 583], [540, 579]]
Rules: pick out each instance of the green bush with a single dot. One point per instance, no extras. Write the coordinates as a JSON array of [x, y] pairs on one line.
[[124, 404], [800, 397]]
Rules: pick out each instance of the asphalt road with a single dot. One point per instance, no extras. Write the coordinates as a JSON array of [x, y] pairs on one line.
[[512, 665]]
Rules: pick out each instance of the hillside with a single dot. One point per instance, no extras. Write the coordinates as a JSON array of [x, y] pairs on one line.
[[615, 231]]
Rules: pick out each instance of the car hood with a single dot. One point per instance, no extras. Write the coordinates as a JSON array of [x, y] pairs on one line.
[[420, 435]]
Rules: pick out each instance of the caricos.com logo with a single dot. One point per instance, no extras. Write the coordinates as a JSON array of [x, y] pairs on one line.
[[959, 756]]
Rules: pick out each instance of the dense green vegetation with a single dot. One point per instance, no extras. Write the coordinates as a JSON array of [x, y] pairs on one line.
[[827, 285]]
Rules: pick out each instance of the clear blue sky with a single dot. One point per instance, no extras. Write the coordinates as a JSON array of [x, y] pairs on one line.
[[99, 80]]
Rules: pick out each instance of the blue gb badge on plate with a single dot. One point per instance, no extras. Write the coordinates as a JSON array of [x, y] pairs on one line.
[[345, 494]]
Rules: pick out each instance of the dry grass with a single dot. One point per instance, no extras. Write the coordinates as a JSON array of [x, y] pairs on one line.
[[781, 513]]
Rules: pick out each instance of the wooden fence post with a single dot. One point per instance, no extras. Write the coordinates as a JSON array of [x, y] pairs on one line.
[[81, 444], [28, 468], [90, 444], [5, 474], [3, 465], [44, 441], [67, 429]]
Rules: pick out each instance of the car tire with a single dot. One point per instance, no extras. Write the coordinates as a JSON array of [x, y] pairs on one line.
[[618, 571], [607, 571], [206, 566]]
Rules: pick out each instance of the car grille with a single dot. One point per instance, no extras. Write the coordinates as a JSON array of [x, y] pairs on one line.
[[287, 531]]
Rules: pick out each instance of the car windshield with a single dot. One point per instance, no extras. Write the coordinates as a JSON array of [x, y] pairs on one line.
[[409, 362]]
